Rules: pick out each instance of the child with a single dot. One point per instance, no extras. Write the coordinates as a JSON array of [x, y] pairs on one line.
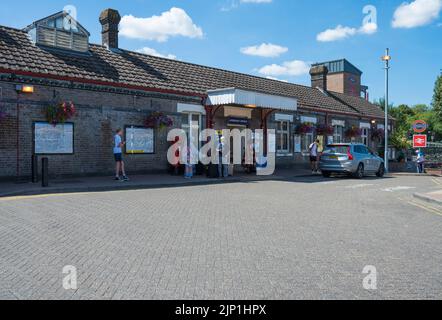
[[118, 154]]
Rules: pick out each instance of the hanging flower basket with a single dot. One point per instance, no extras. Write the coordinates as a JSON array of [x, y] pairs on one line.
[[158, 120], [60, 113], [324, 130], [377, 134], [353, 132], [305, 128]]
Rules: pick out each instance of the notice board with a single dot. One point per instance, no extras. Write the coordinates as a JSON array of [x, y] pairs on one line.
[[50, 139], [140, 140]]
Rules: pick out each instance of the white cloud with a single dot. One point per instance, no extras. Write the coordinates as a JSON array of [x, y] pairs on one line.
[[172, 23], [153, 52], [338, 33], [267, 50], [341, 32], [288, 68], [417, 13], [369, 28]]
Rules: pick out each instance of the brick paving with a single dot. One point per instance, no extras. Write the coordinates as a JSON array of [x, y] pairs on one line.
[[308, 238]]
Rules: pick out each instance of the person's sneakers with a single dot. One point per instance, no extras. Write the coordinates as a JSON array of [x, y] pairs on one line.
[[117, 179], [125, 178]]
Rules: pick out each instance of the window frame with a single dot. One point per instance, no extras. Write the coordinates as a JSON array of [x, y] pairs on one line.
[[187, 127], [364, 136], [338, 131], [280, 133]]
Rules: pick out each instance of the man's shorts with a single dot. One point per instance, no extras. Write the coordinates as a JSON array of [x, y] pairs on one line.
[[313, 159], [118, 157]]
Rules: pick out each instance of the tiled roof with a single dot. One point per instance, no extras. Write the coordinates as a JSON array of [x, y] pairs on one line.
[[364, 107], [18, 53]]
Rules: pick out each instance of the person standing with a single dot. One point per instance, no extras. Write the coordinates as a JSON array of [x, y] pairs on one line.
[[420, 161], [223, 166], [118, 155], [314, 154]]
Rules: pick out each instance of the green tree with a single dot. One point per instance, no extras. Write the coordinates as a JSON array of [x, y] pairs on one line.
[[381, 103], [437, 98]]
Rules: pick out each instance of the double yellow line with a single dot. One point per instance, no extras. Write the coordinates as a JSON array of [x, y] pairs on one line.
[[426, 207], [436, 181]]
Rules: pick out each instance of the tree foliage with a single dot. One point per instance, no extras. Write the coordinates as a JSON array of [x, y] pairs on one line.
[[406, 115], [437, 98]]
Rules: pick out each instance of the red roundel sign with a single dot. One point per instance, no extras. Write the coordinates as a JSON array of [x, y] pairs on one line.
[[420, 126]]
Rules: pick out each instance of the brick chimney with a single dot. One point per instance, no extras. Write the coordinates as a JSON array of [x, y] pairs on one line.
[[110, 19], [319, 77]]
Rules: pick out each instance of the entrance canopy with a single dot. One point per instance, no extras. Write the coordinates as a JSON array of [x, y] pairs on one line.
[[250, 99]]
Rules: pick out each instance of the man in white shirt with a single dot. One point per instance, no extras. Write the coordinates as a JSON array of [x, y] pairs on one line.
[[118, 154], [313, 148]]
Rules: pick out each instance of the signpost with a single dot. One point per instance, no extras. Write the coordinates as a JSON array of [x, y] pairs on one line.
[[419, 141], [420, 126]]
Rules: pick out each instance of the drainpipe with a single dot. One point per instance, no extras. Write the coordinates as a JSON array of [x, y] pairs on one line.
[[209, 123], [264, 126], [18, 138]]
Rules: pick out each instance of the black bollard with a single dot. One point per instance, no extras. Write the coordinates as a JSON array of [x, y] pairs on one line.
[[34, 168], [45, 172]]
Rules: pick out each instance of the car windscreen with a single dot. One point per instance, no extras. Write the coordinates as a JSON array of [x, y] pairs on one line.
[[336, 149]]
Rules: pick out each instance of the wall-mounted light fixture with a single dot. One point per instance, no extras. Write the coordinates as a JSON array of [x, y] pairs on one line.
[[24, 88]]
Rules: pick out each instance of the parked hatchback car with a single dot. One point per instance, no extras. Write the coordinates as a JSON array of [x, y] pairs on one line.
[[354, 159]]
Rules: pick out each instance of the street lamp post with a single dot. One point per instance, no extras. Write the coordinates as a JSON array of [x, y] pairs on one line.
[[386, 58]]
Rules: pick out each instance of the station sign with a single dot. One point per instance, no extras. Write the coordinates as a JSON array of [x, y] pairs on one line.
[[237, 122], [420, 141], [420, 126]]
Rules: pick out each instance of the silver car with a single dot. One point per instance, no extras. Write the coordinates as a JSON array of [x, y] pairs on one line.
[[351, 158]]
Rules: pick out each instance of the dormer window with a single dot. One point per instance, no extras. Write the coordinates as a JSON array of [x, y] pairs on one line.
[[63, 23], [60, 31]]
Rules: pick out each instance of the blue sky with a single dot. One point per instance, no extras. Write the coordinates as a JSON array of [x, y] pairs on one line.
[[274, 38]]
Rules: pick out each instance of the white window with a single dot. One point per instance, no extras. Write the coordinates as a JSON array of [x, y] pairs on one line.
[[338, 133], [191, 121], [283, 137], [307, 140], [364, 136]]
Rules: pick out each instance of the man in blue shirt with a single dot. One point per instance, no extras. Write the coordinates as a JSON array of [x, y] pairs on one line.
[[118, 154]]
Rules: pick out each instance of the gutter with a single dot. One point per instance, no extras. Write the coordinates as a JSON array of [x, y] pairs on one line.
[[101, 83]]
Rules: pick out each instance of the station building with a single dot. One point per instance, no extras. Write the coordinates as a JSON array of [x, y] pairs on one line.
[[51, 62]]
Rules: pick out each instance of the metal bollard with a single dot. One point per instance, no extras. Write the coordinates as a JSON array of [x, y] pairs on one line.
[[45, 172], [34, 168]]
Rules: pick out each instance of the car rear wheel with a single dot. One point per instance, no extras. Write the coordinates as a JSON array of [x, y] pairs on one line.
[[381, 171], [326, 174], [359, 174]]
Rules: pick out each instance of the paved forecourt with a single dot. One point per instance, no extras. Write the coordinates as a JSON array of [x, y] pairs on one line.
[[308, 238]]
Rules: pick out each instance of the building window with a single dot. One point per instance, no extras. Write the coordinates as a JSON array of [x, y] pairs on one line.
[[283, 136], [307, 140], [364, 136], [188, 121], [338, 133]]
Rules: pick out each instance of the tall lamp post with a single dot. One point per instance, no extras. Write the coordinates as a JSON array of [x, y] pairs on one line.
[[386, 58]]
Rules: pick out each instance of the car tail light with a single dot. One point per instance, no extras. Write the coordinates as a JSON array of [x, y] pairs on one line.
[[350, 156]]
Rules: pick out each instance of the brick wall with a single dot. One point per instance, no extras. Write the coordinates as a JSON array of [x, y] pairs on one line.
[[341, 82], [99, 115]]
